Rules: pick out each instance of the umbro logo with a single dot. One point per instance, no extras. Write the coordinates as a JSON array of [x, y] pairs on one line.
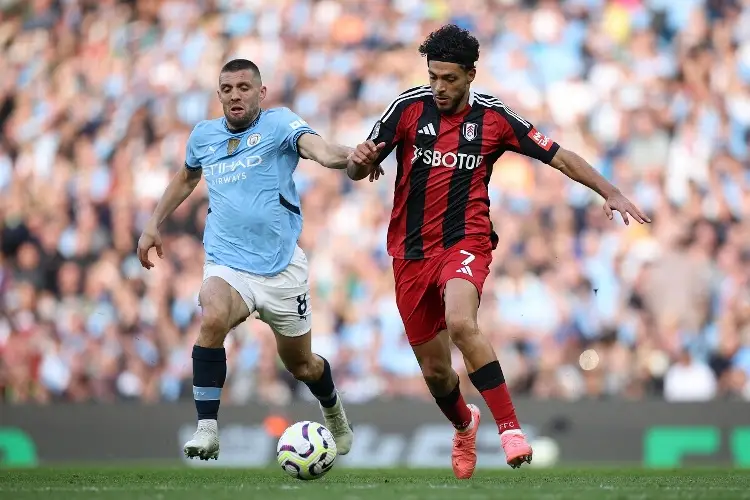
[[428, 130]]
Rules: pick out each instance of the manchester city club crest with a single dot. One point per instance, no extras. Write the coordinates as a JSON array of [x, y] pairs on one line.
[[253, 139], [470, 131], [232, 145]]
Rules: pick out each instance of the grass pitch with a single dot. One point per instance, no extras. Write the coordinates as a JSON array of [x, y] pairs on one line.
[[348, 484]]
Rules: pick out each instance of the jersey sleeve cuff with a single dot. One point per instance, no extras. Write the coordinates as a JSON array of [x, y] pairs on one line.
[[298, 134], [191, 168], [551, 153]]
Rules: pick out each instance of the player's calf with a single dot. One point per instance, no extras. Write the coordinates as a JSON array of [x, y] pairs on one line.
[[443, 383], [315, 372], [434, 358], [307, 368], [438, 374]]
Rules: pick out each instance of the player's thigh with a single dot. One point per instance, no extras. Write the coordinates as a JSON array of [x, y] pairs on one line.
[[284, 304], [464, 269], [418, 299], [225, 298]]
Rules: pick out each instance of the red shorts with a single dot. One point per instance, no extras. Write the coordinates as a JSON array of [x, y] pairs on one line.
[[420, 285]]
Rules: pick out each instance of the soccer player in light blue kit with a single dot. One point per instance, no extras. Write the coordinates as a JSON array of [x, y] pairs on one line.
[[253, 262]]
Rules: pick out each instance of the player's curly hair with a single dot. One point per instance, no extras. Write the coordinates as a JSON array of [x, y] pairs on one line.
[[451, 44]]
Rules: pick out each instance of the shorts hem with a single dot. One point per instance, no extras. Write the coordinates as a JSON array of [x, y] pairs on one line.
[[301, 333], [443, 285], [249, 301], [423, 340]]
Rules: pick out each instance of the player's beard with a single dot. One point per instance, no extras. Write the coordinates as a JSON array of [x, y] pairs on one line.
[[452, 108], [242, 122]]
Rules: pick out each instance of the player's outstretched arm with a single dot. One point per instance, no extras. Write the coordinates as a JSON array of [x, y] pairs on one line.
[[315, 148], [179, 188], [578, 169]]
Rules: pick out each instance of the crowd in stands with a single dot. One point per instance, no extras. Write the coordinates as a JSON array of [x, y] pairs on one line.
[[97, 99]]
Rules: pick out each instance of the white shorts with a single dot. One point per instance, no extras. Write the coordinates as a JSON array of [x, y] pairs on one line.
[[282, 301]]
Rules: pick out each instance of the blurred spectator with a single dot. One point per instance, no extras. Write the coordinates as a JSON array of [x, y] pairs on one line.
[[689, 380], [97, 100]]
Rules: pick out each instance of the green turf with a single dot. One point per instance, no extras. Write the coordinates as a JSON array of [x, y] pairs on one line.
[[223, 484]]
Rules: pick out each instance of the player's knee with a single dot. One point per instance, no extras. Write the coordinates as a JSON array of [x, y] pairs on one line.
[[462, 329], [214, 327]]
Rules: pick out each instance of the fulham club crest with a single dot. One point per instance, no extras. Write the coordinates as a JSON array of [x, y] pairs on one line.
[[470, 131]]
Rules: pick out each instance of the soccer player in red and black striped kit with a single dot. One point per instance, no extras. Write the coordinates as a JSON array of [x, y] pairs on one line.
[[447, 138]]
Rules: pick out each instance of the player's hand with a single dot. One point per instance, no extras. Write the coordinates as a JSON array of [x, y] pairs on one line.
[[619, 203], [149, 239], [365, 155], [376, 173]]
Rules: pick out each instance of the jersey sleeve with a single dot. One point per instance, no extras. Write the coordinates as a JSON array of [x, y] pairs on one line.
[[520, 136], [291, 128], [192, 162], [388, 128]]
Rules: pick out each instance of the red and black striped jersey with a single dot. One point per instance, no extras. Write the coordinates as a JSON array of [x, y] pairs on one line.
[[444, 167]]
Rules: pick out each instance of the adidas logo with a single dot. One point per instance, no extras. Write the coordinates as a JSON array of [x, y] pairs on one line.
[[427, 130], [466, 270]]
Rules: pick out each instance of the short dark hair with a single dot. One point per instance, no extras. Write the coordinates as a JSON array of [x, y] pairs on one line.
[[451, 44], [240, 65]]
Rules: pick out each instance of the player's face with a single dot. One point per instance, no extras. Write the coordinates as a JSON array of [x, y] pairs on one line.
[[450, 85], [240, 93]]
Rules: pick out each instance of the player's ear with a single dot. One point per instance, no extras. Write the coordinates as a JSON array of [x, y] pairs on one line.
[[262, 94], [471, 74]]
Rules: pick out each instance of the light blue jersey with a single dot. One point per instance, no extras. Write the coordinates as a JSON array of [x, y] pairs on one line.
[[254, 218]]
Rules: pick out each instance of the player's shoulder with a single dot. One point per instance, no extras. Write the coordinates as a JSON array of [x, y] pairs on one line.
[[283, 116], [278, 113], [209, 126], [413, 94], [205, 129], [485, 100], [405, 99], [415, 90], [212, 124], [491, 102]]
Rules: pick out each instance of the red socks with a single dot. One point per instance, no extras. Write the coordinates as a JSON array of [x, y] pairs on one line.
[[490, 382]]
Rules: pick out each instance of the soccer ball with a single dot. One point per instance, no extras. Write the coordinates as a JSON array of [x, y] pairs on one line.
[[306, 450]]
